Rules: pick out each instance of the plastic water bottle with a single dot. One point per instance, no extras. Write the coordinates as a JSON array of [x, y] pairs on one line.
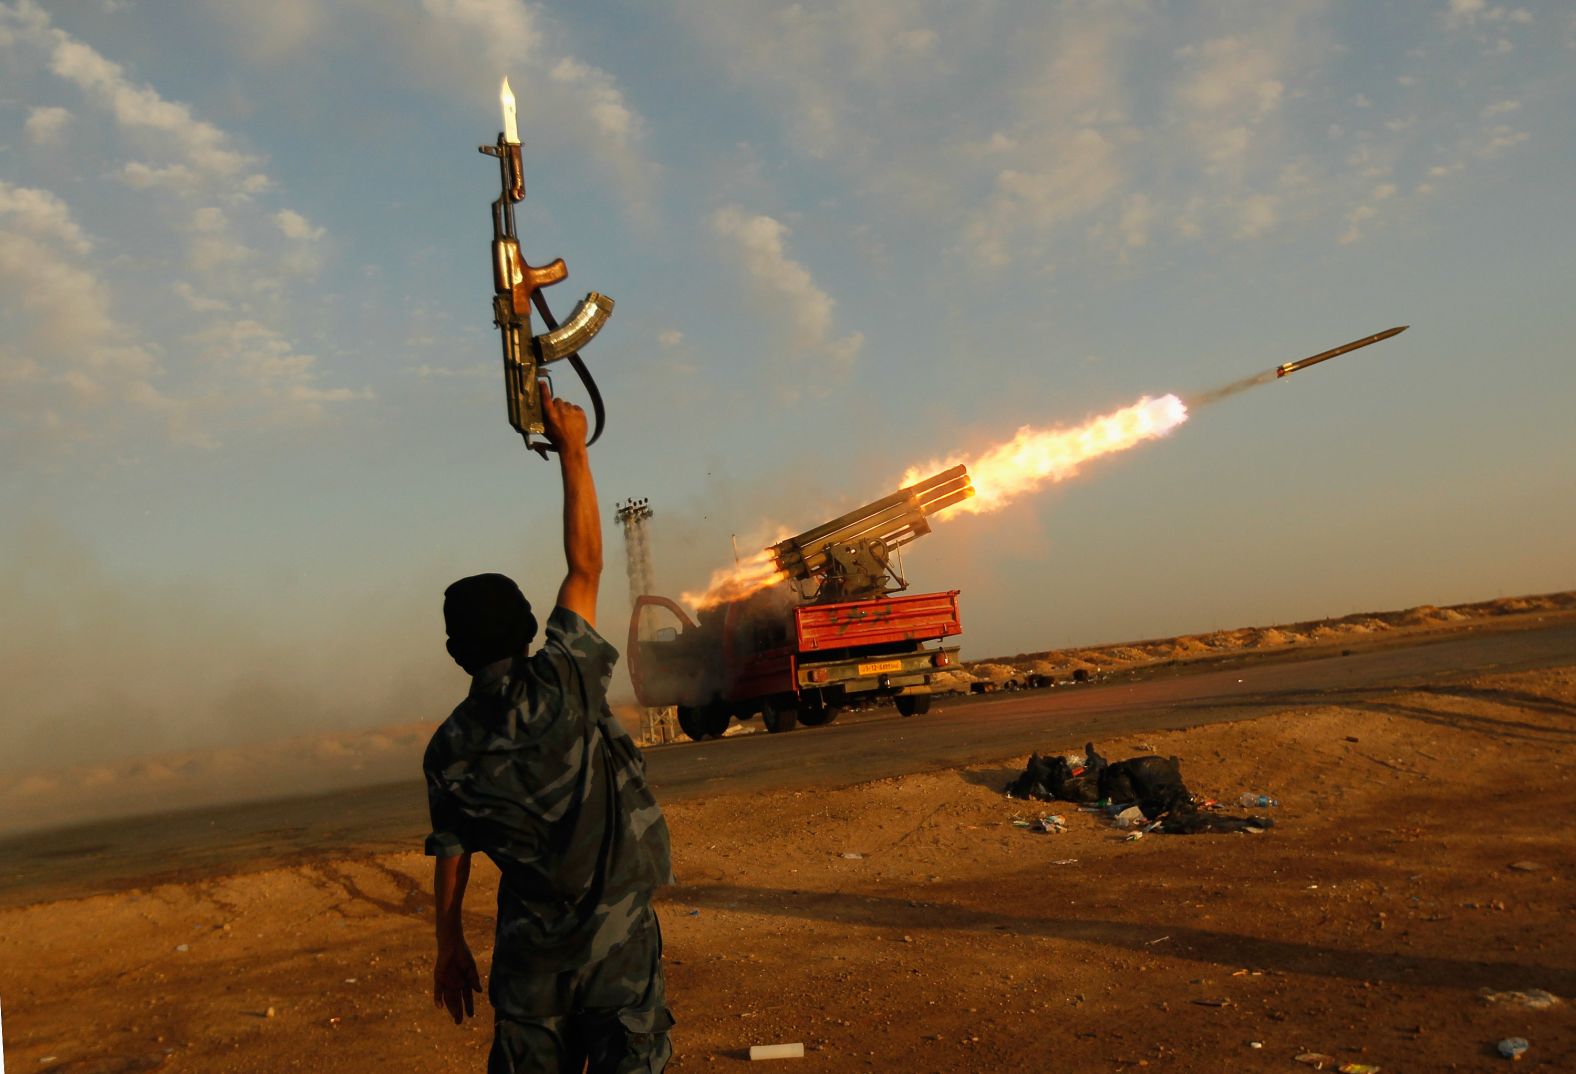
[[1257, 801]]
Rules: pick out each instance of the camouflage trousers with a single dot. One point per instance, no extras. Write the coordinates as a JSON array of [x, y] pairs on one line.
[[609, 1016]]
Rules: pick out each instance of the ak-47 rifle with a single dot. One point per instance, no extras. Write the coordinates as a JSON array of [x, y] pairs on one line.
[[517, 286]]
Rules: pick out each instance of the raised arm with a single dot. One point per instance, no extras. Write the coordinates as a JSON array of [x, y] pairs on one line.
[[566, 430]]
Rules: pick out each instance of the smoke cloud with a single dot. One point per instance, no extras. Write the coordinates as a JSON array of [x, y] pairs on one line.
[[95, 668]]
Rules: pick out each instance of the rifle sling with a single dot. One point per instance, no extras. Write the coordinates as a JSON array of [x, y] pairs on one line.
[[599, 413]]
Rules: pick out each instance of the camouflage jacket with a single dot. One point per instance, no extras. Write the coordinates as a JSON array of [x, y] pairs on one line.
[[533, 770]]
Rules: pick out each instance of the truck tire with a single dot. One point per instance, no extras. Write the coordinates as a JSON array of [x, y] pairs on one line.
[[779, 716], [817, 715], [715, 718], [912, 704], [691, 723]]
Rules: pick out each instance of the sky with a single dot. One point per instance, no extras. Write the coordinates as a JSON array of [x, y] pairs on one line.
[[250, 402]]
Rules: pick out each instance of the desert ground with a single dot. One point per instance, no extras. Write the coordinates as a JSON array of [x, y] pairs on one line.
[[1416, 880]]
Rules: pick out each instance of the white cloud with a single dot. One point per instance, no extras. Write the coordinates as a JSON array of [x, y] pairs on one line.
[[1235, 75], [205, 146], [45, 125], [1137, 217], [199, 303], [1256, 216], [1464, 13], [1087, 173], [61, 348], [295, 226], [177, 177], [1358, 216], [669, 338], [757, 240], [41, 214], [254, 364], [1498, 139], [1500, 108]]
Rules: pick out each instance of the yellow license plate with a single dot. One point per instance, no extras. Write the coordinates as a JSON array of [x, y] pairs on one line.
[[882, 668]]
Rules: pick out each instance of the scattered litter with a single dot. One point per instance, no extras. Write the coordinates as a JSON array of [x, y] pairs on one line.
[[854, 855], [1316, 1060], [1143, 747], [1249, 800], [1065, 861], [183, 947], [1526, 866], [1149, 789], [1213, 1002], [1158, 939], [269, 1013], [694, 913], [350, 980], [1132, 837], [777, 1051], [47, 1059], [1255, 1044], [1044, 823], [1358, 1068], [1513, 1047], [1536, 998]]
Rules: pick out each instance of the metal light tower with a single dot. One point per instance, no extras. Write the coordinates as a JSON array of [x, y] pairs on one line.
[[633, 516], [656, 725]]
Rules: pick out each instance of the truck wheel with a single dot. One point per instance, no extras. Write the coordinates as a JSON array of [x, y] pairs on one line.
[[690, 722], [715, 718], [779, 716], [912, 704], [817, 715]]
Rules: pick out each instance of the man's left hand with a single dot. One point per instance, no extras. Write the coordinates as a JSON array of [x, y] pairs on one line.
[[455, 981]]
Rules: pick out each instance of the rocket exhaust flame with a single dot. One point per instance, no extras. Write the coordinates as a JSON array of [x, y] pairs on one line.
[[1036, 457], [1001, 474], [740, 580]]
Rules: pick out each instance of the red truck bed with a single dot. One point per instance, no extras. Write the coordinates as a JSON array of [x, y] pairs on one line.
[[917, 617]]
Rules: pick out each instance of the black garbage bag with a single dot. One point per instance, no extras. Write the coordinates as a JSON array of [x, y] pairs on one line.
[[1051, 778], [1035, 782], [1155, 783]]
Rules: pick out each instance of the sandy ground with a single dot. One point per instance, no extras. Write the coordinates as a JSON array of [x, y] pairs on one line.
[[1422, 855]]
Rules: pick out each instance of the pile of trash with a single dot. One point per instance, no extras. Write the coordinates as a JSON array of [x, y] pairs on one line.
[[1142, 789]]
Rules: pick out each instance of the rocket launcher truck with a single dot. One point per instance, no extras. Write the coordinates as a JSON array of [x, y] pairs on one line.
[[837, 629]]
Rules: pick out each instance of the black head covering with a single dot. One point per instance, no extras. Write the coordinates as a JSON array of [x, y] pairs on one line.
[[488, 619]]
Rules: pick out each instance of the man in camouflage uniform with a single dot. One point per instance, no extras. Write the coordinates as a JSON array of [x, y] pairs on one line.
[[533, 771]]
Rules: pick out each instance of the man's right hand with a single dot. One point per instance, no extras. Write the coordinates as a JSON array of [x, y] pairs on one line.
[[563, 423], [455, 980]]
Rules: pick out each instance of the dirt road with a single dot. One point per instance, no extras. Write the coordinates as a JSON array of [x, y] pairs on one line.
[[857, 748]]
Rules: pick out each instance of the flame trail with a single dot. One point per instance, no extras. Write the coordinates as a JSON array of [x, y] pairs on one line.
[[1035, 457], [739, 580], [1003, 473]]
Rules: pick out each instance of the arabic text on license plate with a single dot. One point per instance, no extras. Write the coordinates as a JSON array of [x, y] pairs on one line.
[[882, 667]]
